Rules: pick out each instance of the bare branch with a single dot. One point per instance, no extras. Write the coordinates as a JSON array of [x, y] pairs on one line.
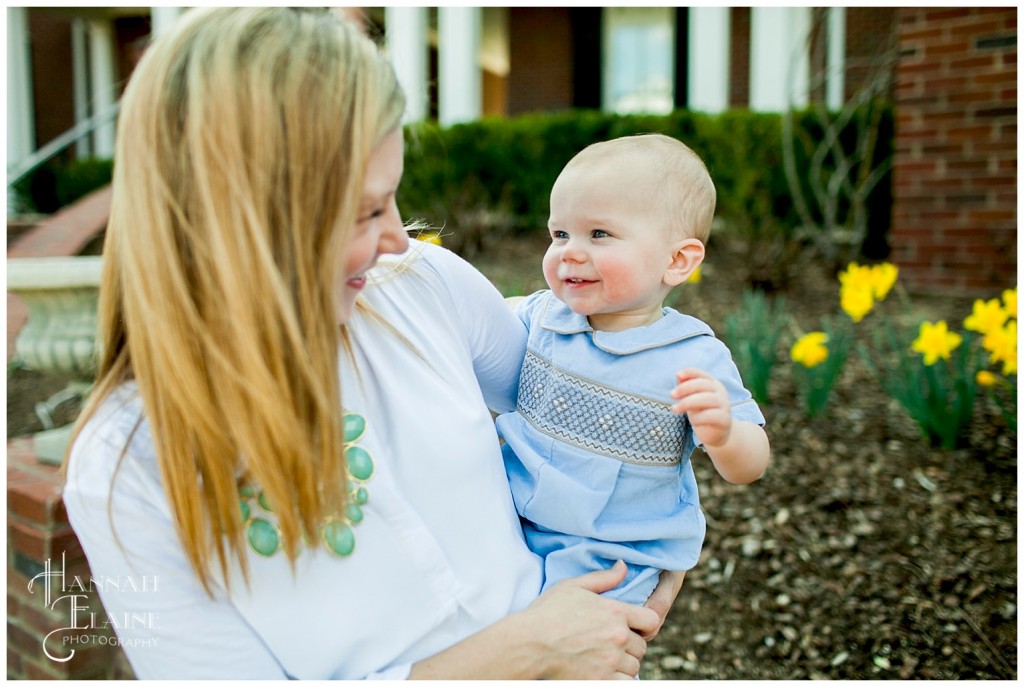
[[840, 177]]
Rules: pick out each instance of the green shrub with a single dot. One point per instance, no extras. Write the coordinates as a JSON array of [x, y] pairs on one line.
[[58, 184], [492, 176], [495, 174]]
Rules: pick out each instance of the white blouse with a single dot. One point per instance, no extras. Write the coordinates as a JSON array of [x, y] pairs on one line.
[[438, 551]]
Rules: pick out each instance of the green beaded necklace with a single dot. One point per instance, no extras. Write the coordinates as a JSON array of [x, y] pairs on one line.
[[263, 534]]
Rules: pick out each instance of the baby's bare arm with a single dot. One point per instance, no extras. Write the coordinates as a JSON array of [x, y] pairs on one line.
[[739, 449]]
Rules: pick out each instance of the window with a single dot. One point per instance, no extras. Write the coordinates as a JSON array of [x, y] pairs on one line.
[[639, 59]]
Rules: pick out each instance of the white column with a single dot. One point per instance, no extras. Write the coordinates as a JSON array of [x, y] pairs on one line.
[[707, 59], [103, 78], [163, 18], [779, 57], [80, 82], [459, 89], [21, 131], [406, 32], [835, 89]]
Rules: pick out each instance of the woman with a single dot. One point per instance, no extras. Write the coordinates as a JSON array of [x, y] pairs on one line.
[[328, 500]]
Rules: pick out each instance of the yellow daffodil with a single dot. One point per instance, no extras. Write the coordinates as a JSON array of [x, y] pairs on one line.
[[1010, 302], [856, 301], [986, 316], [985, 378], [856, 277], [810, 349], [695, 276], [1010, 366], [430, 237], [882, 277], [862, 286], [1001, 343], [935, 341]]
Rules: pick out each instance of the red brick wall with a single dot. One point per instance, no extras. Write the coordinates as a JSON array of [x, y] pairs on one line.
[[495, 94], [540, 59], [955, 174], [739, 57], [40, 541], [869, 33], [131, 34], [50, 45]]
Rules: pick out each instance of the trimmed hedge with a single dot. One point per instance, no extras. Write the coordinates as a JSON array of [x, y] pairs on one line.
[[498, 172], [509, 164], [52, 186]]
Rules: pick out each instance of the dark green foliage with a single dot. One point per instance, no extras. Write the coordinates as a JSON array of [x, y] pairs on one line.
[[495, 174], [52, 186], [503, 168]]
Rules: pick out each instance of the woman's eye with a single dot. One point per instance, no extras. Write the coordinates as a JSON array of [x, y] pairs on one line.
[[372, 215]]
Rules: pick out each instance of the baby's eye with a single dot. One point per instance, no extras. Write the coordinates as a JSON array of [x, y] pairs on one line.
[[599, 234], [559, 235]]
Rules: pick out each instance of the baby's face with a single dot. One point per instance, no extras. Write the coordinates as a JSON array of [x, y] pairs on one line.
[[610, 250]]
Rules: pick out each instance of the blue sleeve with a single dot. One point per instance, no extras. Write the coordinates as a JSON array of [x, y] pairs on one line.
[[526, 308], [717, 360]]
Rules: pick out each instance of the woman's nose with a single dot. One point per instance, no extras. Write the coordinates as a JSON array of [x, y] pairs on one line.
[[394, 238]]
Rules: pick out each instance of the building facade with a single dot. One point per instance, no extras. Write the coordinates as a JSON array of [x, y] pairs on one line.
[[68, 66], [954, 87]]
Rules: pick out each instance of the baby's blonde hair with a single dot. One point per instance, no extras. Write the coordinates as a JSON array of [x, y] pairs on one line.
[[685, 193], [242, 143]]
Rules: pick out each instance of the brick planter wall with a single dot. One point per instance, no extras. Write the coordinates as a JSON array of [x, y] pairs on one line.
[[43, 551], [39, 538], [955, 177]]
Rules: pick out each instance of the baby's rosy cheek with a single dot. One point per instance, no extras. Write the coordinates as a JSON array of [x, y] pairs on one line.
[[619, 278]]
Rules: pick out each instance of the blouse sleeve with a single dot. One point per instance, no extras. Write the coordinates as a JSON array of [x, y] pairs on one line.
[[172, 628], [495, 335]]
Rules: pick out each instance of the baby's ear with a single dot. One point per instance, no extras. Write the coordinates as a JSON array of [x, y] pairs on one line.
[[687, 255]]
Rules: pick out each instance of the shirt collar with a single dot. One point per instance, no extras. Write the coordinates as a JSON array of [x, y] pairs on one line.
[[672, 327]]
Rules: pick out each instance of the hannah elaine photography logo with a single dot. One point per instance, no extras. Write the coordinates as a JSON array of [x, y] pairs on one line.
[[71, 595]]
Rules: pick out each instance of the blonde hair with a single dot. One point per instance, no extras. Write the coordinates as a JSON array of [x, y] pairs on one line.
[[242, 143], [685, 194]]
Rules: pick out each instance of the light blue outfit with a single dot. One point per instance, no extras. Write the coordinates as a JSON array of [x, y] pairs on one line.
[[598, 463]]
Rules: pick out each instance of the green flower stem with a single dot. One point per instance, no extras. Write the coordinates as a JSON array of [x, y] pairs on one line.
[[939, 397]]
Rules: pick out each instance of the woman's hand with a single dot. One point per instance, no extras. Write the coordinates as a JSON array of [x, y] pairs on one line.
[[588, 636], [664, 595], [569, 632]]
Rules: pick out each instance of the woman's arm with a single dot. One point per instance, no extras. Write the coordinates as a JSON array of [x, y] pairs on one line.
[[495, 336], [569, 632]]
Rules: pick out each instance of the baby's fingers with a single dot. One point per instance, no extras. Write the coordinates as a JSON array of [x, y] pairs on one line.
[[694, 383], [696, 402], [691, 373]]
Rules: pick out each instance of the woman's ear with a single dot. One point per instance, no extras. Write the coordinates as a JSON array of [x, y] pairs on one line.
[[687, 255]]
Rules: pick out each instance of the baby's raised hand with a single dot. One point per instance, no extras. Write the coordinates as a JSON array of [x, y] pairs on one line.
[[706, 402]]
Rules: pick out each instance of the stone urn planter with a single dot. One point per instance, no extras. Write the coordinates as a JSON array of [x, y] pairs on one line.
[[60, 334]]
